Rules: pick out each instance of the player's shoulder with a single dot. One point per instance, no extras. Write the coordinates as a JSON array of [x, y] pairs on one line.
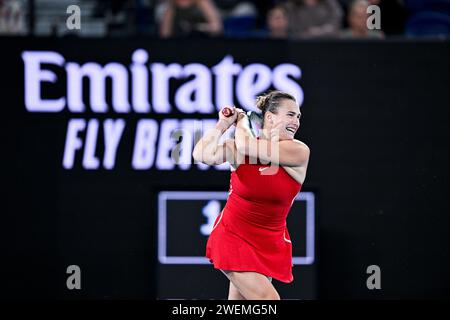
[[301, 143]]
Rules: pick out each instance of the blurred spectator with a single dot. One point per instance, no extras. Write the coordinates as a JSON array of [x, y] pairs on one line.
[[12, 17], [239, 17], [357, 22], [119, 17], [190, 17], [314, 18], [277, 23], [236, 8], [393, 14], [263, 7]]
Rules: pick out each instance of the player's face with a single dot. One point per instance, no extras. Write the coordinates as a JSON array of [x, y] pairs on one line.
[[286, 120]]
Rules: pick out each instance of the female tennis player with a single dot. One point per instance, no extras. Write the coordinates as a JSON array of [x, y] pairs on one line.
[[250, 242]]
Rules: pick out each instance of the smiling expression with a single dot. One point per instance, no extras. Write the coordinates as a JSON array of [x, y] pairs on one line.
[[286, 120]]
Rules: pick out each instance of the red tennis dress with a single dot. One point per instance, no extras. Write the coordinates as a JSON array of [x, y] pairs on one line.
[[250, 234]]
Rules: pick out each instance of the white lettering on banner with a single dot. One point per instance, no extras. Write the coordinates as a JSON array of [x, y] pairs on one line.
[[139, 76], [97, 77], [112, 132], [224, 72], [282, 75], [90, 161], [73, 142], [34, 76], [144, 145], [199, 87], [195, 95], [154, 146], [160, 85], [145, 88], [166, 144], [253, 79]]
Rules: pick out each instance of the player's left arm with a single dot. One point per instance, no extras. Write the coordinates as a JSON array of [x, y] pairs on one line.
[[289, 153]]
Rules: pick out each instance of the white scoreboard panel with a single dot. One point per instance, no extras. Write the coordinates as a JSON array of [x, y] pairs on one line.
[[185, 220]]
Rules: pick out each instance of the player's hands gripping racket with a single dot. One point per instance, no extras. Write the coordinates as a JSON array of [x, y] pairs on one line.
[[227, 112], [232, 113], [228, 116]]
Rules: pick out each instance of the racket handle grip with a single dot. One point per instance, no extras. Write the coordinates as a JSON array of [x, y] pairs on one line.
[[227, 112]]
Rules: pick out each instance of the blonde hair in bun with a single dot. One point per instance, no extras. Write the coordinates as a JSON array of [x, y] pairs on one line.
[[261, 102]]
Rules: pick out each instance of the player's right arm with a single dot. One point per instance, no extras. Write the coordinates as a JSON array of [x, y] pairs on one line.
[[208, 150]]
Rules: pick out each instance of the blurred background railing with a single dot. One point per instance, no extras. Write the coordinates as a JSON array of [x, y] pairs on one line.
[[294, 19]]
